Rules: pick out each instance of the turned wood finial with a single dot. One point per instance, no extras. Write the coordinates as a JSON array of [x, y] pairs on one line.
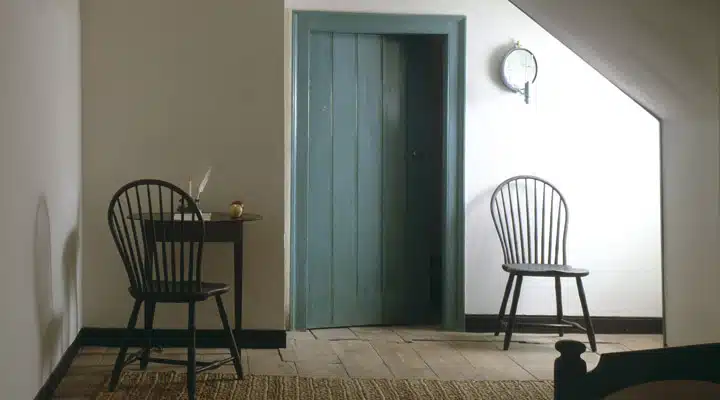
[[570, 348], [569, 367]]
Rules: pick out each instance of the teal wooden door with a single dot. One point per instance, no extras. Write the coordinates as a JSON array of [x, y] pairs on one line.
[[369, 258]]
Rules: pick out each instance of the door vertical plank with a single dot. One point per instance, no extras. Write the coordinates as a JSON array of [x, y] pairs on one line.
[[344, 170], [369, 142], [320, 184], [406, 289], [395, 286]]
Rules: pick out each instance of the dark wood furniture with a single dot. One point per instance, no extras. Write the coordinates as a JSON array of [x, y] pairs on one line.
[[163, 260], [220, 228], [616, 372], [531, 221]]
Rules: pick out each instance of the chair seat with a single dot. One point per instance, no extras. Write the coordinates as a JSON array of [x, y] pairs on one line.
[[545, 270], [162, 291]]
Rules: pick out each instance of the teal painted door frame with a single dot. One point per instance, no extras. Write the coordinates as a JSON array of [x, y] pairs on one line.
[[453, 218]]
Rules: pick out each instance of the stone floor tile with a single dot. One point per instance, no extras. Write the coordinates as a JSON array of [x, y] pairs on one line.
[[445, 360], [230, 369], [268, 362], [537, 359], [402, 360], [300, 335], [641, 342], [409, 334], [360, 359], [377, 334], [310, 350], [531, 338], [432, 335], [218, 350], [320, 369], [491, 363], [334, 334]]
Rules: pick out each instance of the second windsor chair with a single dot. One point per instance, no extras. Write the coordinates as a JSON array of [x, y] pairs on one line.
[[164, 267], [531, 219]]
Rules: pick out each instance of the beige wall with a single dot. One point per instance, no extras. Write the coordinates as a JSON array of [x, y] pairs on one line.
[[665, 54], [40, 177], [171, 87]]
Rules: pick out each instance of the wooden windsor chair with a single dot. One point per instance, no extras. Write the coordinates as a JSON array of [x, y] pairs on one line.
[[162, 256], [531, 220]]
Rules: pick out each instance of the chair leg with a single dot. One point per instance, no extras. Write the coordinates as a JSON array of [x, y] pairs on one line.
[[586, 314], [191, 366], [513, 310], [503, 305], [149, 317], [120, 360], [558, 303], [232, 344]]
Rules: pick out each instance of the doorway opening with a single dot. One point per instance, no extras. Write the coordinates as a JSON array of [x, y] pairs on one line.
[[376, 218]]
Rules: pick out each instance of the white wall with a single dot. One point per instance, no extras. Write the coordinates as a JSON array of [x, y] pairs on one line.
[[580, 132], [665, 53], [40, 177], [169, 88]]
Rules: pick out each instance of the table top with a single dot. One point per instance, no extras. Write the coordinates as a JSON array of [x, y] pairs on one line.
[[215, 217]]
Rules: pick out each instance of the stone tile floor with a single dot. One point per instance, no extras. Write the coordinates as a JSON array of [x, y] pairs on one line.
[[399, 352]]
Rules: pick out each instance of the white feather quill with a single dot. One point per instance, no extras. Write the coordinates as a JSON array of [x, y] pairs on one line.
[[203, 183]]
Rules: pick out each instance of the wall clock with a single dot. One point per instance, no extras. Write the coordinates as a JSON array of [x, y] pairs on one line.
[[519, 70]]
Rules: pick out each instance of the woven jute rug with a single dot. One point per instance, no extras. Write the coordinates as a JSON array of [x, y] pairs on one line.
[[171, 385]]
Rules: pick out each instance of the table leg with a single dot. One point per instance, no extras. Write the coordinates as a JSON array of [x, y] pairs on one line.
[[149, 307], [238, 270]]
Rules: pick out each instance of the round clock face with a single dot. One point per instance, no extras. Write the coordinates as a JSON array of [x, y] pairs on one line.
[[519, 67]]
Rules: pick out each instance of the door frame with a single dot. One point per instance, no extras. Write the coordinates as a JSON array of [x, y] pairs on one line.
[[453, 213]]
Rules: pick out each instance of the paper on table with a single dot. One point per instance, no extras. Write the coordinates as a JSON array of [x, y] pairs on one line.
[[189, 217]]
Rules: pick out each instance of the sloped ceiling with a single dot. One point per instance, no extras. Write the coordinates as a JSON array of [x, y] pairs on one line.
[[654, 50], [665, 54]]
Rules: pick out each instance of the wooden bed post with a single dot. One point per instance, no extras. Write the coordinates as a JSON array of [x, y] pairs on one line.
[[569, 368]]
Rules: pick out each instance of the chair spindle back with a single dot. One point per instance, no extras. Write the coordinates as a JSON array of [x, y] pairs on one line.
[[156, 258], [531, 221]]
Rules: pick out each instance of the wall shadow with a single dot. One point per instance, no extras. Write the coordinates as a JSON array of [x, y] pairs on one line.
[[494, 67], [70, 259], [55, 294], [481, 235], [48, 322]]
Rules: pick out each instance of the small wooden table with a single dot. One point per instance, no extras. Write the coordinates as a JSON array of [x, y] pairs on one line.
[[220, 228]]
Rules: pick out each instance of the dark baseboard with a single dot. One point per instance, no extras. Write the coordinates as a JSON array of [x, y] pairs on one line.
[[204, 338], [607, 325], [61, 369]]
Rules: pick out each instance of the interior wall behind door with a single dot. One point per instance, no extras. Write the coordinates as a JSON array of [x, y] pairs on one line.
[[374, 191], [425, 132]]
